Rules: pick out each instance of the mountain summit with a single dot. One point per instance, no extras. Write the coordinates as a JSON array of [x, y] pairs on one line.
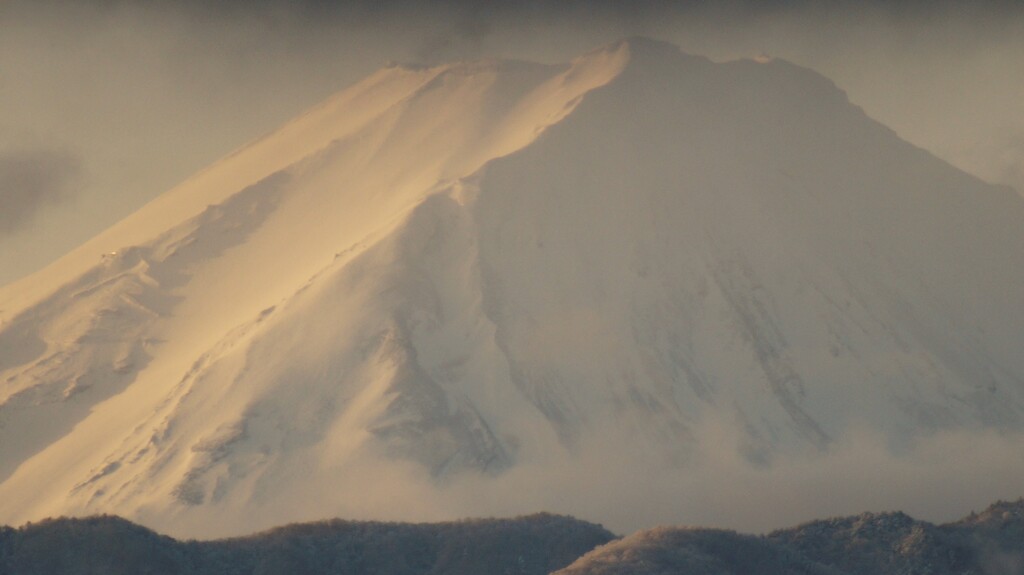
[[483, 267]]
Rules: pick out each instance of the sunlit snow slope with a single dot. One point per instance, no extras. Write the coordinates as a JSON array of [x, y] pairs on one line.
[[468, 268]]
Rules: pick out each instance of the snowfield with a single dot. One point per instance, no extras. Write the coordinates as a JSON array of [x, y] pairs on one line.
[[500, 286]]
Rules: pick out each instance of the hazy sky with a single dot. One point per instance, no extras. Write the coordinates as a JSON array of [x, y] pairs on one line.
[[105, 104]]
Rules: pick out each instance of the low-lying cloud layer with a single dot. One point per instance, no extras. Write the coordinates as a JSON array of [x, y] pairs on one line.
[[939, 478]]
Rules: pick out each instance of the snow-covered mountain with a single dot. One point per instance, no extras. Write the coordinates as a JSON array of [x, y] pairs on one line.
[[466, 269]]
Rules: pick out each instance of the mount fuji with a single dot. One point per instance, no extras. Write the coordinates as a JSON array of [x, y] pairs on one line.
[[474, 269]]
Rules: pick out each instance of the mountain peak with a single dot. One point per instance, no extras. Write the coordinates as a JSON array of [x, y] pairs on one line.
[[644, 51], [647, 46]]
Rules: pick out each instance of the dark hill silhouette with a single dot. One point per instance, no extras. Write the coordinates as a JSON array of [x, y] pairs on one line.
[[986, 543], [989, 543], [537, 544]]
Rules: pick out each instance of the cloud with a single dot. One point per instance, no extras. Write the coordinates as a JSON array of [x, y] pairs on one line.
[[462, 38], [939, 478], [30, 180]]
